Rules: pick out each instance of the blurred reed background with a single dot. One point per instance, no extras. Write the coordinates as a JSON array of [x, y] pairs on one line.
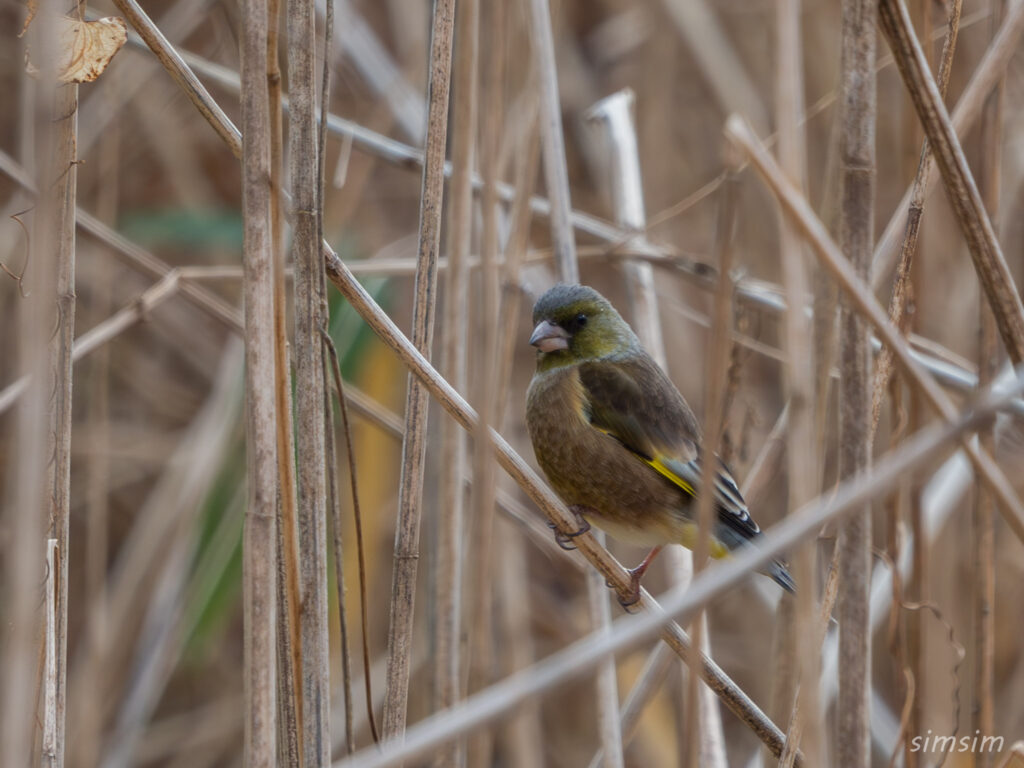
[[158, 490]]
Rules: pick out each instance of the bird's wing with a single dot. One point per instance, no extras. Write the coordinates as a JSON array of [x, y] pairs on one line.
[[635, 403]]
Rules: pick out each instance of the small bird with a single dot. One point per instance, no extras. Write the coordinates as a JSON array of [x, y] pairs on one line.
[[616, 440]]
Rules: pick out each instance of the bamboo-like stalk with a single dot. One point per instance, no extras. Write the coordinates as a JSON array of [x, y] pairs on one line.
[[450, 554], [802, 656], [553, 142], [289, 642], [309, 384], [492, 31], [581, 657], [407, 533], [260, 538], [986, 253], [856, 237], [54, 228]]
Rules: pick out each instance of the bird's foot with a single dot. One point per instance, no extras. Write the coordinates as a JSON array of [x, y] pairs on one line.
[[563, 539], [631, 597]]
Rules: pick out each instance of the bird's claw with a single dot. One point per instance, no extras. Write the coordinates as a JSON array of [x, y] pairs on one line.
[[563, 539], [630, 597]]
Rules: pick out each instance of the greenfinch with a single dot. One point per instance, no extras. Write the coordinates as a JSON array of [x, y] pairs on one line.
[[616, 440]]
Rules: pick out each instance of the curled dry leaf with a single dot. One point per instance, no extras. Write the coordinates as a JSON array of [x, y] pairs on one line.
[[86, 47]]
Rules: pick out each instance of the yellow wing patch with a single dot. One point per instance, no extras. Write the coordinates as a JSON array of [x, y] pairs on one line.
[[658, 466]]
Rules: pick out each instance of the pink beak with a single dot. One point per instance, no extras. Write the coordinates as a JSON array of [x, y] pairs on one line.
[[548, 337]]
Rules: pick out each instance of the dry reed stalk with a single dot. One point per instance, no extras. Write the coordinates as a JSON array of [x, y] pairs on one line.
[[50, 321], [450, 555], [492, 29], [856, 236], [403, 588], [310, 384], [260, 537], [556, 173], [581, 657], [656, 669], [289, 642], [968, 109], [799, 657], [901, 289], [522, 739], [986, 253], [818, 630], [714, 423], [983, 711]]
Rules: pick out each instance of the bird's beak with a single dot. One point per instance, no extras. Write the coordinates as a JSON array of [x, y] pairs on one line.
[[548, 337]]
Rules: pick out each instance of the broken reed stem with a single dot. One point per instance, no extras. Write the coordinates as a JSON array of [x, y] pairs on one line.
[[491, 29], [260, 537], [986, 253], [900, 291], [799, 657], [310, 384], [450, 550], [581, 657], [407, 533], [289, 642], [556, 172]]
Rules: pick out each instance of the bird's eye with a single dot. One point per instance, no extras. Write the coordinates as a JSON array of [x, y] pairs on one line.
[[581, 320]]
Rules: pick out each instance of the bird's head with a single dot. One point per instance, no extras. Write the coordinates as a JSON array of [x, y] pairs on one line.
[[576, 324]]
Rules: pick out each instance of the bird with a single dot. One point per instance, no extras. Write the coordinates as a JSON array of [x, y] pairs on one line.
[[617, 441]]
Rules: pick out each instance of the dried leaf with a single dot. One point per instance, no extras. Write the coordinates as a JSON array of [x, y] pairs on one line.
[[88, 46]]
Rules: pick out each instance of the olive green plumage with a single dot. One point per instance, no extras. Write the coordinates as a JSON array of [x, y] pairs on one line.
[[613, 434]]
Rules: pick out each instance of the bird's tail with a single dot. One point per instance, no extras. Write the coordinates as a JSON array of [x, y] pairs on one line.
[[780, 575]]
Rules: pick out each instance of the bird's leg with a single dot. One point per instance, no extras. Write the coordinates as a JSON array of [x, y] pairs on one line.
[[563, 539], [635, 574]]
